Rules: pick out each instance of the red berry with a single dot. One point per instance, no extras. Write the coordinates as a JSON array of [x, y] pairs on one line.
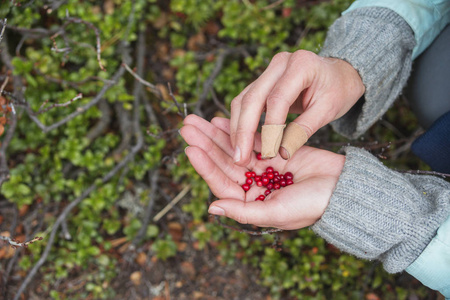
[[265, 181], [264, 174], [259, 183], [288, 175], [276, 178], [269, 186], [260, 198], [267, 192], [281, 176], [276, 173], [283, 182], [276, 186], [269, 170], [289, 182], [246, 187], [259, 156], [270, 175], [249, 181], [248, 174], [257, 178], [253, 174]]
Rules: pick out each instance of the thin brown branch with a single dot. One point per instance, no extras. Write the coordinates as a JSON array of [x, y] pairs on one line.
[[181, 112], [79, 110], [16, 244], [42, 110], [273, 5], [97, 36], [3, 29], [152, 87]]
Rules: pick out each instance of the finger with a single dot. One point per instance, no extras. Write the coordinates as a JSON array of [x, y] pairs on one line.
[[235, 113], [219, 136], [221, 185], [298, 76], [194, 137], [259, 213], [224, 125], [252, 105], [301, 129]]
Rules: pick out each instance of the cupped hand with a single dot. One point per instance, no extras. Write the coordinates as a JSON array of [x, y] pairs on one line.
[[301, 204], [319, 89]]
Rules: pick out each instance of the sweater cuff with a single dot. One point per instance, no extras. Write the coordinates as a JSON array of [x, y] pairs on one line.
[[376, 213], [378, 43]]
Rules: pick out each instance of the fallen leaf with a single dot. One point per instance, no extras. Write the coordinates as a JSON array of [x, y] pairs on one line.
[[141, 258], [136, 277]]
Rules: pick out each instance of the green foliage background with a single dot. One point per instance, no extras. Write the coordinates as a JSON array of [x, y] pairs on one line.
[[49, 170]]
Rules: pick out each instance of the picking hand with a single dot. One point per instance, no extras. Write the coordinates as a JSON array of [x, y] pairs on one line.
[[319, 89], [295, 206]]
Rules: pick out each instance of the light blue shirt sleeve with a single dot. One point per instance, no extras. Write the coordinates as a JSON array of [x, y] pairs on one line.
[[427, 18], [432, 267]]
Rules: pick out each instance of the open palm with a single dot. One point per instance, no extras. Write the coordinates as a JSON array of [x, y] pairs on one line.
[[296, 206]]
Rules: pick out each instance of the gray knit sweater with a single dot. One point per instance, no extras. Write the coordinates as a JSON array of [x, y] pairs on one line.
[[374, 212]]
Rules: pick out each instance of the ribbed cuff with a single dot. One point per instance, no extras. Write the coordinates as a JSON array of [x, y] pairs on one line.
[[378, 43], [376, 213]]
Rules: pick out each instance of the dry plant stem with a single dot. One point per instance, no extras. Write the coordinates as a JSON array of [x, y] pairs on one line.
[[119, 73], [152, 87], [3, 29], [172, 203], [42, 110], [207, 85], [177, 104], [16, 244], [154, 176], [97, 36], [219, 104]]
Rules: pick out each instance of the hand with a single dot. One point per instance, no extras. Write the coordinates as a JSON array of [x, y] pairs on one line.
[[301, 204], [319, 89]]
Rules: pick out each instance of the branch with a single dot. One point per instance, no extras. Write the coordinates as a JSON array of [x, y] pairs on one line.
[[41, 110], [15, 244], [3, 29], [97, 36], [79, 110], [152, 87], [207, 85]]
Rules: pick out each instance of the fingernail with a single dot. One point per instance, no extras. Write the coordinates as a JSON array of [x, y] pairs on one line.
[[186, 149], [214, 210], [237, 154]]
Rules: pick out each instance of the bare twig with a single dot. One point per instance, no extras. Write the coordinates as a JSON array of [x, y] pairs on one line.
[[97, 36], [16, 244], [172, 203], [41, 110], [219, 104], [149, 209], [3, 29], [422, 172], [275, 4], [180, 111], [207, 85], [152, 87], [79, 110]]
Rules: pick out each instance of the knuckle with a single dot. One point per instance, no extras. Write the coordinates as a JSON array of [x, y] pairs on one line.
[[281, 56], [303, 57], [276, 97]]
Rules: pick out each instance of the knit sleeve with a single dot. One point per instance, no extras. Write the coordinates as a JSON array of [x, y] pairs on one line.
[[378, 43], [377, 213]]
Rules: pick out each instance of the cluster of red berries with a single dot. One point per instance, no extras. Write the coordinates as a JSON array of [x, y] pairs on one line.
[[270, 179]]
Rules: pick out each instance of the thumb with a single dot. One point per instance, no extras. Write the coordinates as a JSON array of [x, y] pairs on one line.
[[300, 130], [259, 213]]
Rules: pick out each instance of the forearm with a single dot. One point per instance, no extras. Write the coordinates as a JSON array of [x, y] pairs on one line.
[[376, 213], [378, 43]]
